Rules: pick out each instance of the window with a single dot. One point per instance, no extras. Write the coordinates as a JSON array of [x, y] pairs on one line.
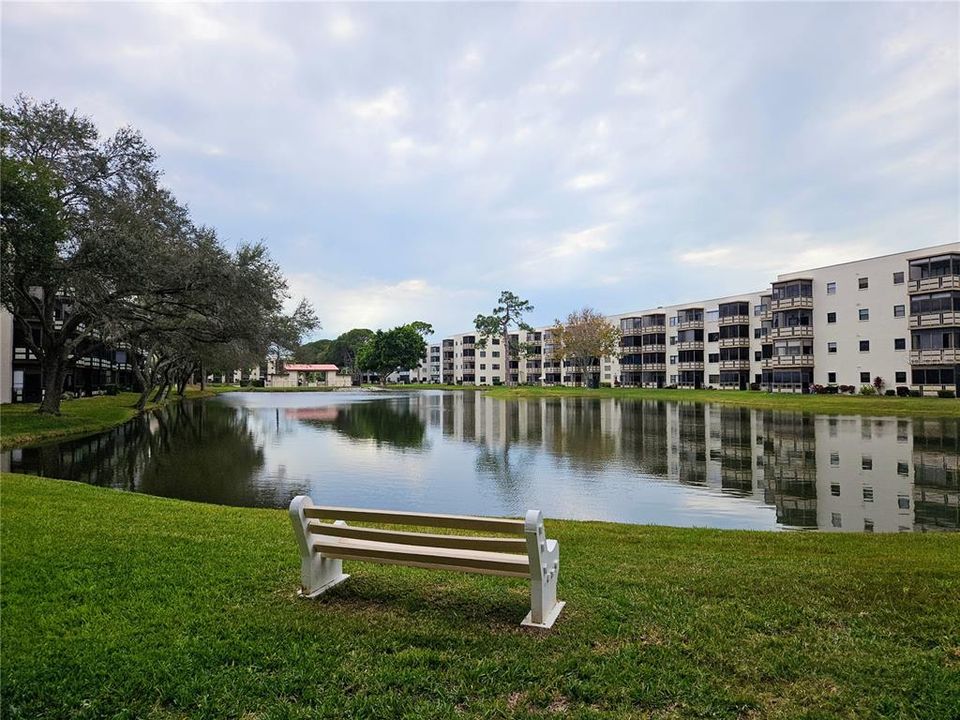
[[863, 283], [756, 333], [867, 525], [866, 462], [496, 341], [831, 377], [495, 353], [714, 358], [831, 347], [483, 379], [898, 278], [835, 462], [831, 288], [867, 493], [864, 377], [673, 359], [864, 313], [495, 366], [899, 310], [831, 317], [864, 346], [903, 468], [835, 520], [903, 502], [483, 353], [713, 380], [482, 366], [899, 343], [673, 339], [713, 337], [900, 377], [758, 355]]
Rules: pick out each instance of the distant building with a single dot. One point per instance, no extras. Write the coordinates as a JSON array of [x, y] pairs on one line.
[[309, 375]]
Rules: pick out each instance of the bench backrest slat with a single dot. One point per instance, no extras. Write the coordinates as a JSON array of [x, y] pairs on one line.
[[391, 517], [461, 542]]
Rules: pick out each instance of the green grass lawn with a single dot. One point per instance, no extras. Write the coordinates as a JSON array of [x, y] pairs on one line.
[[21, 424], [122, 605], [828, 404]]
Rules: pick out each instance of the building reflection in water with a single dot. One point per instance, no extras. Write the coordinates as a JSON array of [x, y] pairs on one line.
[[578, 457]]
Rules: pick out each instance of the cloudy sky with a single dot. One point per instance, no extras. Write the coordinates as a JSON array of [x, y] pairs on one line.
[[410, 161]]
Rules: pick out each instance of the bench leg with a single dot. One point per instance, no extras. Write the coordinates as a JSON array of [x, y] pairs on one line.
[[317, 573], [545, 567]]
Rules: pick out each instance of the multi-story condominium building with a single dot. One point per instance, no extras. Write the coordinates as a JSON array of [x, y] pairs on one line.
[[896, 317]]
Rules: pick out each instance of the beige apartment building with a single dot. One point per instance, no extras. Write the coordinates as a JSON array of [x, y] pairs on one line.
[[896, 317]]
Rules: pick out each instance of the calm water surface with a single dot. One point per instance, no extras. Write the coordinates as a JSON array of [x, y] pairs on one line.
[[632, 461]]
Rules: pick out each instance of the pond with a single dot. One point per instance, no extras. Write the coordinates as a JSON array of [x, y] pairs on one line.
[[635, 461]]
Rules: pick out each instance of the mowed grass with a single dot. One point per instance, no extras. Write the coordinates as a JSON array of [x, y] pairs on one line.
[[21, 424], [122, 605], [825, 404]]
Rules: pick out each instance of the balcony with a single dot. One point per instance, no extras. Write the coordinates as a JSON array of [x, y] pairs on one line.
[[793, 331], [933, 284], [735, 320], [734, 364], [734, 342], [654, 367], [653, 348], [686, 366], [803, 301], [631, 367], [783, 361], [935, 320], [690, 345], [946, 356], [690, 325]]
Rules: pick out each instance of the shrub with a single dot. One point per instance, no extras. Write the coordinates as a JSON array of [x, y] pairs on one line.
[[832, 389], [755, 386], [878, 384], [67, 395], [903, 391], [868, 390], [890, 393], [946, 393], [110, 389], [606, 385], [818, 389], [914, 393], [244, 383], [257, 383]]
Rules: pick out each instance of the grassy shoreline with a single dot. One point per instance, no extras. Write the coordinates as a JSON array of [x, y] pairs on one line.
[[826, 404], [151, 614], [21, 425]]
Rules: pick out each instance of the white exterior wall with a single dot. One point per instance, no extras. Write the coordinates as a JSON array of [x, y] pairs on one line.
[[6, 356]]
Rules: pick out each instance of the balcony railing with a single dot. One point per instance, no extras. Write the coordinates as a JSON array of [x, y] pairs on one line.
[[935, 319], [946, 356], [690, 345], [631, 367], [932, 284], [734, 342], [788, 303], [734, 364], [690, 365], [690, 325], [735, 320], [781, 361], [791, 331]]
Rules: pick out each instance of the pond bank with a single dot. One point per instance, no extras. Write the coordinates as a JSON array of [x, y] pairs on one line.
[[150, 613], [21, 425], [825, 404]]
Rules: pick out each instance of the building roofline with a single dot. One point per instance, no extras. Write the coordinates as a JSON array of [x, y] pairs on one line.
[[921, 251]]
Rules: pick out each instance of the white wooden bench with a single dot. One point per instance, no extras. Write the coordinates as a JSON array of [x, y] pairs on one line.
[[324, 547]]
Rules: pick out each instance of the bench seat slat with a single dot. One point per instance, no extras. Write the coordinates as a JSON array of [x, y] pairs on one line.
[[463, 542], [462, 522], [435, 566], [475, 560]]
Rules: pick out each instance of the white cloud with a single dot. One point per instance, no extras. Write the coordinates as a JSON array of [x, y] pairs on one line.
[[388, 105], [343, 27], [587, 181]]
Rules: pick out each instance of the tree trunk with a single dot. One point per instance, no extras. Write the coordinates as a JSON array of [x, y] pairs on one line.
[[182, 386], [203, 377], [54, 367]]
